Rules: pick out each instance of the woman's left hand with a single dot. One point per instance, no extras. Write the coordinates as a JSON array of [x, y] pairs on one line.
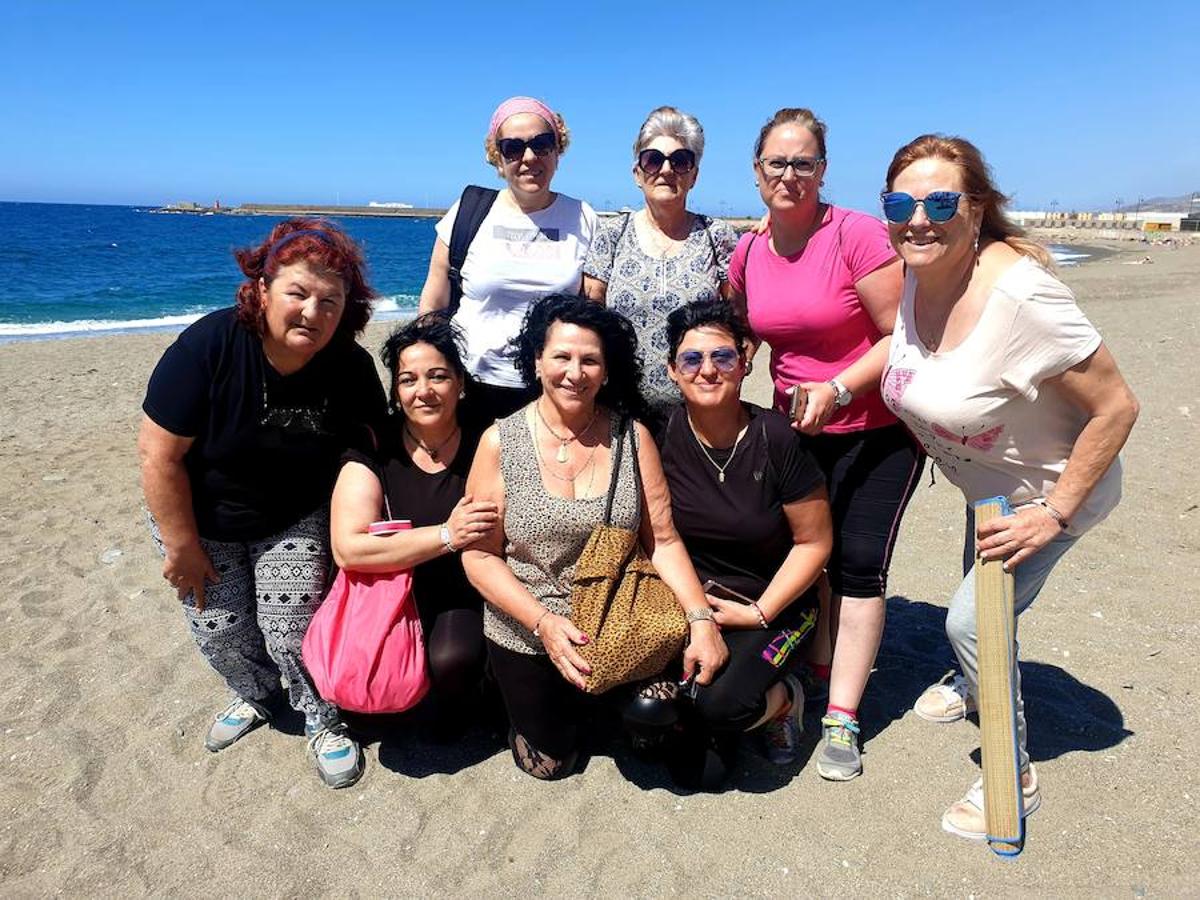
[[731, 614], [1016, 537], [820, 406]]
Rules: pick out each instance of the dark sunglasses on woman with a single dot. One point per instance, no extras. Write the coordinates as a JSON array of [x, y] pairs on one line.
[[513, 149], [682, 161], [689, 362], [899, 207]]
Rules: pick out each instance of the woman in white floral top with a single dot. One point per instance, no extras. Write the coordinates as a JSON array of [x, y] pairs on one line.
[[648, 263]]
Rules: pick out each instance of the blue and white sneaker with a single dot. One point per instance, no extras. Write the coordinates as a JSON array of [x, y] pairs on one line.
[[232, 723], [782, 735], [337, 755]]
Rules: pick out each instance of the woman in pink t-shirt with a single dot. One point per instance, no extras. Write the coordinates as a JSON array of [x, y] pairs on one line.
[[821, 285]]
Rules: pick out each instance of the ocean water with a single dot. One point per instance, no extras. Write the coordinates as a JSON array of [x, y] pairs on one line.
[[69, 270]]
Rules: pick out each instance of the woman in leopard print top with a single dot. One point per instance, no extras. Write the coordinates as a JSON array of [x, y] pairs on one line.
[[548, 467]]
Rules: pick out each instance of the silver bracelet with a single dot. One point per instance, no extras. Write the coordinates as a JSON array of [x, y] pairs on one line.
[[1053, 513]]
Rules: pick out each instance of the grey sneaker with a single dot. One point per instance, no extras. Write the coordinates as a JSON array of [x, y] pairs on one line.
[[839, 759], [338, 758], [781, 735], [232, 723]]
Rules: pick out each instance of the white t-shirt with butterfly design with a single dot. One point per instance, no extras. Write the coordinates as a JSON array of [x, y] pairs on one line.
[[979, 410]]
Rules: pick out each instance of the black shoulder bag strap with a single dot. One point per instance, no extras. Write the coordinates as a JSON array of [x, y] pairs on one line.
[[712, 241], [624, 426], [473, 208]]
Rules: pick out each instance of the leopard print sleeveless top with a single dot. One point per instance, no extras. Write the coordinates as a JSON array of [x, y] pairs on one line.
[[545, 534]]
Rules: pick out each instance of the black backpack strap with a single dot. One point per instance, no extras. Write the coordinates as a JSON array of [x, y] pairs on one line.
[[712, 241], [473, 207]]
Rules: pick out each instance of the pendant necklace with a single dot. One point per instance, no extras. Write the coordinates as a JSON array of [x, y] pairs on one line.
[[708, 456], [432, 451], [564, 442]]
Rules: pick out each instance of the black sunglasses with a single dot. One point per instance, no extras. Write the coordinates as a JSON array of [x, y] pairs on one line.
[[513, 149], [682, 161]]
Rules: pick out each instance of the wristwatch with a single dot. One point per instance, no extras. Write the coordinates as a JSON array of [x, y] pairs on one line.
[[444, 536], [841, 393], [703, 614]]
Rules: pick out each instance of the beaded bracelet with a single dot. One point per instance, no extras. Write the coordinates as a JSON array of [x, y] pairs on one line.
[[762, 620]]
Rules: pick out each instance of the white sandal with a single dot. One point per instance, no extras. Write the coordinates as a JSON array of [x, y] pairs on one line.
[[947, 701], [966, 817]]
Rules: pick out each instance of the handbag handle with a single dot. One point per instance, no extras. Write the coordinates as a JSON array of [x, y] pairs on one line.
[[615, 474]]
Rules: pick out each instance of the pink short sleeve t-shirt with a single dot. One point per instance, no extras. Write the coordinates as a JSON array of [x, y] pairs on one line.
[[981, 410], [805, 306]]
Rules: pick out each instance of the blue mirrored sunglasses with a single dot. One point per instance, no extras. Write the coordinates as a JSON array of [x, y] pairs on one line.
[[899, 207], [689, 362]]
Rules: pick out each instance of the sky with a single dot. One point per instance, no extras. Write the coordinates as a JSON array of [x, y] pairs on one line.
[[349, 102]]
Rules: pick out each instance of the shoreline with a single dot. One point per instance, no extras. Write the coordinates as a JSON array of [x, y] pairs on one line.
[[1095, 252]]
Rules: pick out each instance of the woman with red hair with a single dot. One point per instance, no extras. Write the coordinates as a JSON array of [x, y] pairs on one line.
[[246, 417]]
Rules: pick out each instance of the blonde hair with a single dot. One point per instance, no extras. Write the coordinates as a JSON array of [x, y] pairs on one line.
[[979, 186], [792, 115], [492, 152]]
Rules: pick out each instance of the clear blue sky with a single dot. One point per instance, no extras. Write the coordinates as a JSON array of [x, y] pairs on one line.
[[149, 102]]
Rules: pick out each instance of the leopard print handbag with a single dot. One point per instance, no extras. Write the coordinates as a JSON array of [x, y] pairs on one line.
[[617, 598]]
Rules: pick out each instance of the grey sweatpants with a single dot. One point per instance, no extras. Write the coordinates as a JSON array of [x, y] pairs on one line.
[[1028, 579], [255, 617]]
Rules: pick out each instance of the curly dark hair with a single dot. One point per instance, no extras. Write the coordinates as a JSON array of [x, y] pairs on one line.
[[617, 337], [701, 313], [436, 330], [319, 243]]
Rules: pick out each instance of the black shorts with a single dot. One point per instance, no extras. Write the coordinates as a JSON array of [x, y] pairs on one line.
[[871, 475]]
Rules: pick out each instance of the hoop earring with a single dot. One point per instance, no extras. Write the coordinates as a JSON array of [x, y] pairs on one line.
[[462, 394]]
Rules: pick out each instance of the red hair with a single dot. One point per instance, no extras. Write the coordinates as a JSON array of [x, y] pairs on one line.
[[323, 245]]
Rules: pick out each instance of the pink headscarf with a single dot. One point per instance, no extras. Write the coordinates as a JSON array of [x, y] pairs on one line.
[[514, 106]]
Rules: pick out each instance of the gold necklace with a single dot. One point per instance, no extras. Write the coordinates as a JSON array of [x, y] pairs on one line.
[[570, 479], [564, 442], [704, 450], [432, 451]]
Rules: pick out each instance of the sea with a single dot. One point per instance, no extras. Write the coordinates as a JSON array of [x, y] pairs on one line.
[[72, 270]]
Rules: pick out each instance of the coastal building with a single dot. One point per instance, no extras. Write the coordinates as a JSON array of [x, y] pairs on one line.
[[1142, 220]]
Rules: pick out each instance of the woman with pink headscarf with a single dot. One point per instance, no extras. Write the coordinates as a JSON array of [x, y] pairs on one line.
[[531, 243]]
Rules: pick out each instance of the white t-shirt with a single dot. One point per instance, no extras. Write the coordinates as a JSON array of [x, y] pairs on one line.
[[980, 411], [514, 260]]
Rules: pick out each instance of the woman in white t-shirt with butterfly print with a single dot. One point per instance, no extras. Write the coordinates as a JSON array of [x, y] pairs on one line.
[[1008, 387]]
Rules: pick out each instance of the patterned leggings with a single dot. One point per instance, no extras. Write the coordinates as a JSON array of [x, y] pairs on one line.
[[255, 617]]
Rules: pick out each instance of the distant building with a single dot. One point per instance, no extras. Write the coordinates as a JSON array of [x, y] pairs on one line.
[[1143, 220]]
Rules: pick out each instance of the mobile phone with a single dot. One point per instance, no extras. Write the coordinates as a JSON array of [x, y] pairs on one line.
[[389, 526], [799, 402], [718, 590]]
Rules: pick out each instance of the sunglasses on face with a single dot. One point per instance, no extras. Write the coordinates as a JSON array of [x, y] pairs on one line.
[[682, 161], [803, 166], [899, 207], [513, 149], [689, 362]]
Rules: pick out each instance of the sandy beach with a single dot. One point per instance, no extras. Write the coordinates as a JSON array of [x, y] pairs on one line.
[[106, 788]]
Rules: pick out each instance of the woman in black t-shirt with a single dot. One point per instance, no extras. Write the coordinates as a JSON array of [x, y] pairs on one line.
[[421, 468], [750, 504], [247, 415]]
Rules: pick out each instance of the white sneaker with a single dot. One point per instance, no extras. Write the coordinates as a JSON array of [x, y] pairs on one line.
[[232, 723], [337, 755], [947, 701]]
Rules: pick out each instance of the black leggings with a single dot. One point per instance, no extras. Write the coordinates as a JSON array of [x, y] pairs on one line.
[[543, 707], [455, 647], [758, 659], [871, 476]]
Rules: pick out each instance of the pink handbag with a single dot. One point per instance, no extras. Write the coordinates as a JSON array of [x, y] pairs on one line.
[[364, 648]]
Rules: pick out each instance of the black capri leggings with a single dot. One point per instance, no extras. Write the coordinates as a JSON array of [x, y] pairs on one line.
[[758, 659], [871, 475], [543, 707]]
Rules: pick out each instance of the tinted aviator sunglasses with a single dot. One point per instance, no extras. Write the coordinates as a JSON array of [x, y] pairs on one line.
[[682, 161], [899, 207], [689, 362], [513, 149]]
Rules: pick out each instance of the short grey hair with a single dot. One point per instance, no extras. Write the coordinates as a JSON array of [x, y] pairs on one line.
[[667, 121]]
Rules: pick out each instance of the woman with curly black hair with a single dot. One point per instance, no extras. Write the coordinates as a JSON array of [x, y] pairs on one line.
[[419, 472], [548, 467]]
